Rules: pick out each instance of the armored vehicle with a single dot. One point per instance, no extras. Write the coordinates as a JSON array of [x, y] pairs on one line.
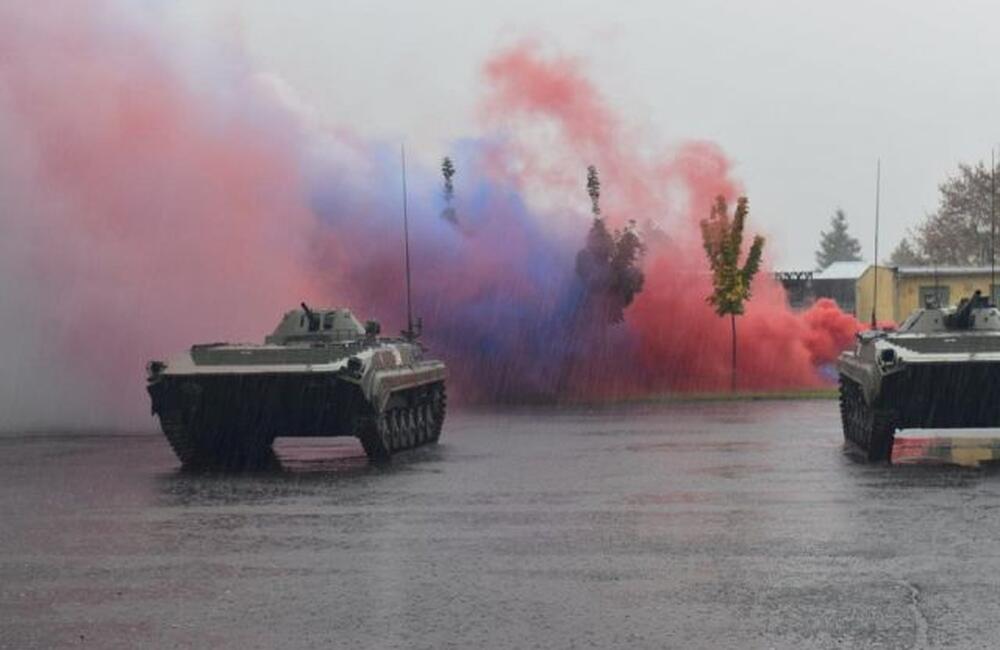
[[940, 369], [320, 373]]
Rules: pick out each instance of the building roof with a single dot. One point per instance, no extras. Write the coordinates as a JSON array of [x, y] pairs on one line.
[[842, 271], [944, 270]]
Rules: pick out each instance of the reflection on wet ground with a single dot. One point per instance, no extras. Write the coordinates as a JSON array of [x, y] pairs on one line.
[[688, 525]]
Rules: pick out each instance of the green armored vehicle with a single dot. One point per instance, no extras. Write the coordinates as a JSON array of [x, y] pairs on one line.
[[940, 369], [321, 373]]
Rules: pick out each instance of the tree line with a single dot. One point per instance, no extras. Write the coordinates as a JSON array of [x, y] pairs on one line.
[[959, 232]]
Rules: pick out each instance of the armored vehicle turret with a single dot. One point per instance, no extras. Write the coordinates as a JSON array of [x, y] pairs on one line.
[[320, 373], [940, 369]]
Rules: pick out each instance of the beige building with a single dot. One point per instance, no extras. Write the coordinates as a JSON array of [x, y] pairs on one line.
[[905, 288]]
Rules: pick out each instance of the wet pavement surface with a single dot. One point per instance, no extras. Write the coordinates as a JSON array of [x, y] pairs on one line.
[[702, 525]]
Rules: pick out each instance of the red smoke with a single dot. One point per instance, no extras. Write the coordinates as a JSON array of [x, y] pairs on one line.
[[830, 331], [149, 218], [682, 343], [142, 213]]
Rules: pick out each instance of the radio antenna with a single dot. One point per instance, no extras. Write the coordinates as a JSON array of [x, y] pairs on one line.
[[937, 287], [993, 225], [409, 333], [878, 187]]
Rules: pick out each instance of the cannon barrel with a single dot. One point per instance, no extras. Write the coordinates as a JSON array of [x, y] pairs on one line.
[[310, 314]]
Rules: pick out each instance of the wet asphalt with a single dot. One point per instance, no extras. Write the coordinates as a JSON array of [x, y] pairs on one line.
[[699, 525]]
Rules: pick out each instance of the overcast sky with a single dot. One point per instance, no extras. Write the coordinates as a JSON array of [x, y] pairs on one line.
[[803, 96]]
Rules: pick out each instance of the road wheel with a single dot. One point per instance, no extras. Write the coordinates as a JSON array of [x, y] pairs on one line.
[[374, 436]]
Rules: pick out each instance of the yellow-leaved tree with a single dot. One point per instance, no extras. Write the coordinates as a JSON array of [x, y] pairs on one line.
[[723, 240]]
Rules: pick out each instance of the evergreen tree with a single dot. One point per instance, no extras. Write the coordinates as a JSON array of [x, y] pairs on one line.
[[836, 245], [608, 264], [723, 241], [594, 190], [448, 171]]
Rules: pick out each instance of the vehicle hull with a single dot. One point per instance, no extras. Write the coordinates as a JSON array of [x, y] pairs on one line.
[[877, 402], [272, 404], [230, 420], [943, 395]]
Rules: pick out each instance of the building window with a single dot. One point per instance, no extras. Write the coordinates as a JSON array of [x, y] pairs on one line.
[[935, 296], [328, 320]]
